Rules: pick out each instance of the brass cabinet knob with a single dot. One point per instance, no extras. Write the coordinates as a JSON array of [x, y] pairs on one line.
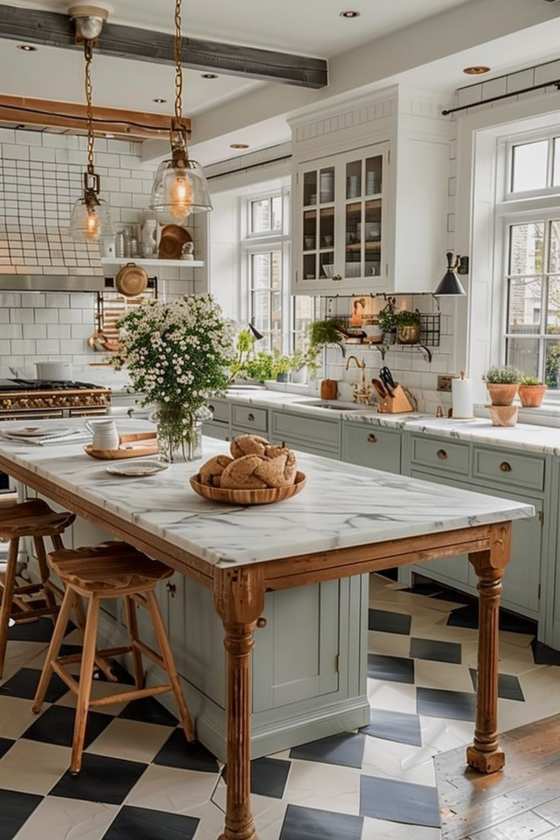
[[371, 439], [261, 623], [251, 418], [505, 467], [442, 455]]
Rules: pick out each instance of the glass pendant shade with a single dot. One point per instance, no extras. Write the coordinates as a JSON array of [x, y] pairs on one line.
[[90, 220], [180, 189]]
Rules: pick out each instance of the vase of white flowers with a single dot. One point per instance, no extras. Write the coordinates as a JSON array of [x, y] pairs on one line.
[[177, 355]]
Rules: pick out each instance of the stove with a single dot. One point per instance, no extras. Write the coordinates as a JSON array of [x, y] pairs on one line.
[[51, 398]]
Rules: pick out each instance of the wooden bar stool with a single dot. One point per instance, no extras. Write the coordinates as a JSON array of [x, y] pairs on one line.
[[110, 570], [37, 520]]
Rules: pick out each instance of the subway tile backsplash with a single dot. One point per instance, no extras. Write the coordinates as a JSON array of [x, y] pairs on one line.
[[40, 179]]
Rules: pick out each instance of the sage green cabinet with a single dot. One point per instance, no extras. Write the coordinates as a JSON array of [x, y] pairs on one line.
[[369, 446], [308, 434]]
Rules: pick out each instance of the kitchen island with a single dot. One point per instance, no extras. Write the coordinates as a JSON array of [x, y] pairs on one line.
[[348, 522]]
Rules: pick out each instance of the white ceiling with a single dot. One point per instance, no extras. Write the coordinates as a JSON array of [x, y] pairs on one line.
[[57, 74], [312, 27]]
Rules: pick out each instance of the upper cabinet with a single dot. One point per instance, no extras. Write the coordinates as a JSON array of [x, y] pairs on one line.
[[370, 197]]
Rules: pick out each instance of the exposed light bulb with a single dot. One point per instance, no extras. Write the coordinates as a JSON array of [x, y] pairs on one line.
[[179, 196], [93, 224]]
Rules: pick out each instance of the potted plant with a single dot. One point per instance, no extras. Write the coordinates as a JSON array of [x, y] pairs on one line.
[[531, 392], [502, 384], [387, 320], [408, 327]]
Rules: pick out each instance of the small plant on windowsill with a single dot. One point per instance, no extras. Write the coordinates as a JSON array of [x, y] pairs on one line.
[[531, 392], [502, 384]]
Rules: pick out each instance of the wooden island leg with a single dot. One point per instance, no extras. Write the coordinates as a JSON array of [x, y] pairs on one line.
[[239, 599], [485, 754]]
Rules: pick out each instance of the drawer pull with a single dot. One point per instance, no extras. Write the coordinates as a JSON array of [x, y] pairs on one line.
[[212, 408], [371, 439], [505, 467], [442, 455], [172, 589], [251, 418]]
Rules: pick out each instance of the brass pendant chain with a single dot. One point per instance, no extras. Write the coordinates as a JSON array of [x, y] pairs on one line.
[[88, 54], [178, 62]]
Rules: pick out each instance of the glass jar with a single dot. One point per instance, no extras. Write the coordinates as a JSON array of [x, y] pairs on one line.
[[179, 431]]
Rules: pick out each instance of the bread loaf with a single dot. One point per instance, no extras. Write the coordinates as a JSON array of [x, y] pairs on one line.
[[241, 474], [248, 445], [211, 471]]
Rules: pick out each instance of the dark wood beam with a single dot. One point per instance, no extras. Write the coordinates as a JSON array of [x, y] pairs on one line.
[[135, 125], [57, 30]]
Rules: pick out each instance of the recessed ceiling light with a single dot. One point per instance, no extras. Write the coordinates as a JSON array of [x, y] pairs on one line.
[[159, 100], [349, 13], [27, 47], [239, 146], [477, 70]]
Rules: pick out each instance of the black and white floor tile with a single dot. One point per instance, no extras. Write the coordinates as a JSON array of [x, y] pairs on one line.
[[141, 779]]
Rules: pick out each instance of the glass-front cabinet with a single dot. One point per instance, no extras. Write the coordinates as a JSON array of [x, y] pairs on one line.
[[339, 215]]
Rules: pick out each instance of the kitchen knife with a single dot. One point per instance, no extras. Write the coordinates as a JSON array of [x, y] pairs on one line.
[[377, 384]]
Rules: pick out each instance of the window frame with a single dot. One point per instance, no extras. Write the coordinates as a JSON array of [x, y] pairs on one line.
[[523, 139]]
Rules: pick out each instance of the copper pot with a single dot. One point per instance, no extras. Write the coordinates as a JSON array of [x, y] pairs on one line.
[[131, 280]]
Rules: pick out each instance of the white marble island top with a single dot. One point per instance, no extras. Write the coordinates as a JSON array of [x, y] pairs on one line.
[[341, 506]]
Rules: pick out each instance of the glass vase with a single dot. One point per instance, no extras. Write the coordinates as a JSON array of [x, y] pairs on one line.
[[179, 431]]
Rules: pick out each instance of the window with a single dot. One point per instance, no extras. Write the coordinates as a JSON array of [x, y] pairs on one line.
[[282, 319], [534, 166], [533, 298]]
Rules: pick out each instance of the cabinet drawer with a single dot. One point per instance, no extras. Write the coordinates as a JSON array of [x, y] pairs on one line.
[[509, 468], [220, 410], [220, 431], [444, 455], [321, 434], [371, 446], [249, 417]]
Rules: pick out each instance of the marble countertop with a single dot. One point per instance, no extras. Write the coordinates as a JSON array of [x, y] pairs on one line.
[[541, 439], [341, 506]]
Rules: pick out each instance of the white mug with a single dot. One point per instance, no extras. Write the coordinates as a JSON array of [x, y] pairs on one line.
[[105, 434]]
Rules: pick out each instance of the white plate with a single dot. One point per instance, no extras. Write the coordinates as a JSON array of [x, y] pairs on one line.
[[39, 431], [140, 469]]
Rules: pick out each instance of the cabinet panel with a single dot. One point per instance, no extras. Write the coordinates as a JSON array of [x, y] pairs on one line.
[[317, 432], [442, 455], [249, 417], [521, 471], [220, 431], [297, 652], [220, 410], [370, 446]]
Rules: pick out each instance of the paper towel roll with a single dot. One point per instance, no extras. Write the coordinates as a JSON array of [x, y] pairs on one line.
[[463, 401]]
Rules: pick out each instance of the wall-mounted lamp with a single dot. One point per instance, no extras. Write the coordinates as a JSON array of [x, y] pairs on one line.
[[450, 284], [256, 334]]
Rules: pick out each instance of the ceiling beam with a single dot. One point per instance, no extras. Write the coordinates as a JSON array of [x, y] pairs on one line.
[[135, 125], [57, 30]]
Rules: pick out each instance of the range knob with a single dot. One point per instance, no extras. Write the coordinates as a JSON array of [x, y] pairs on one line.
[[7, 404], [23, 404], [76, 401]]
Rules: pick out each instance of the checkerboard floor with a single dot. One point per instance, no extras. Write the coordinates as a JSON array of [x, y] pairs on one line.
[[141, 779]]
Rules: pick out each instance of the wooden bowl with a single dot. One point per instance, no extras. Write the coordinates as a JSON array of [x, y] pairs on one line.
[[248, 497]]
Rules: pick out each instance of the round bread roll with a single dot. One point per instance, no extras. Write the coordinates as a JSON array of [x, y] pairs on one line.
[[248, 445], [241, 474], [279, 471], [289, 464], [211, 471]]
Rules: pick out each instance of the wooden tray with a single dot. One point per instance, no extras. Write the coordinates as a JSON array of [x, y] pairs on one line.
[[131, 446], [248, 497]]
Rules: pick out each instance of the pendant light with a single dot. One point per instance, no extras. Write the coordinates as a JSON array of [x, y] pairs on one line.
[[91, 217], [180, 186]]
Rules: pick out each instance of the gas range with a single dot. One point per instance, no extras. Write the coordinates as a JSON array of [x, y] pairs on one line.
[[51, 398]]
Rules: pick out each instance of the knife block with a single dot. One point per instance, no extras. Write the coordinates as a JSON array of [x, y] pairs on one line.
[[397, 404]]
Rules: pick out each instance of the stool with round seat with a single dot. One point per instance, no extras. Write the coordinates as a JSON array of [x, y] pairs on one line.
[[109, 570], [37, 520]]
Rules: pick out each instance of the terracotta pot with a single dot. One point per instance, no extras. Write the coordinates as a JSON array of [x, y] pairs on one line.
[[501, 394], [504, 415], [531, 396]]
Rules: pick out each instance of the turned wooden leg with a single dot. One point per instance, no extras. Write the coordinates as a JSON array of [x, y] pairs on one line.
[[7, 599], [54, 647], [132, 622], [170, 667], [239, 597], [485, 754], [86, 679]]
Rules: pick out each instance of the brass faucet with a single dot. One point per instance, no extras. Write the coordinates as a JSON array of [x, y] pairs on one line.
[[362, 392]]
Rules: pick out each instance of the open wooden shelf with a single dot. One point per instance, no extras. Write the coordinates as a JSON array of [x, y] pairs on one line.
[[152, 262]]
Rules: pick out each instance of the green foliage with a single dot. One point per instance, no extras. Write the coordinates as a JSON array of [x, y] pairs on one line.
[[530, 380], [503, 376], [325, 332], [552, 370], [387, 319], [405, 318]]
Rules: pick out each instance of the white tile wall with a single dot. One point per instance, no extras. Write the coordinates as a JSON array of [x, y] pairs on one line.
[[40, 178]]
